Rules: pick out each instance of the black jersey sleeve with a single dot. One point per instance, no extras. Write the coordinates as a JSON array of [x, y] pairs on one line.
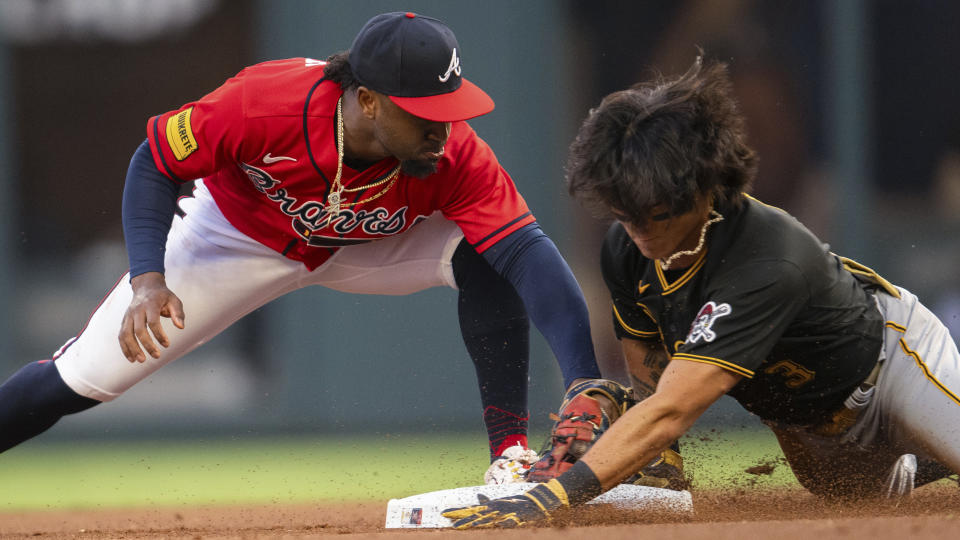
[[622, 265], [745, 315]]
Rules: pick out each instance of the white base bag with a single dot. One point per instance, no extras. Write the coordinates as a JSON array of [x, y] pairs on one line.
[[423, 511]]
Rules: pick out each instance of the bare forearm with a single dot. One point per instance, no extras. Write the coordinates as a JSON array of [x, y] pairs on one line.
[[684, 391], [635, 439], [645, 365]]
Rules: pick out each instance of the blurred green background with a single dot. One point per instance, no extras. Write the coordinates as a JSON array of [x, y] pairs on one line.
[[374, 467]]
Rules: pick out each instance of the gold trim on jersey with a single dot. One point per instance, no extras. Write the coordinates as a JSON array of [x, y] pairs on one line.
[[633, 331], [758, 201], [920, 363], [867, 275], [669, 288], [739, 370], [649, 313]]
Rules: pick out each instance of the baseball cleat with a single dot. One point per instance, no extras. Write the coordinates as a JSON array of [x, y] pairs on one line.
[[666, 472], [901, 478], [512, 466]]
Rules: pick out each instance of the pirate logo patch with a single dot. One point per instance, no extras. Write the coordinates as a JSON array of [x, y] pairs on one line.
[[702, 326]]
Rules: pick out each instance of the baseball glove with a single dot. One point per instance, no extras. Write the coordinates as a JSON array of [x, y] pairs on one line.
[[580, 423]]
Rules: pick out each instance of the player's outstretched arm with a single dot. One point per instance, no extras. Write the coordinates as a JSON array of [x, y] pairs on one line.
[[141, 323], [685, 391], [531, 262]]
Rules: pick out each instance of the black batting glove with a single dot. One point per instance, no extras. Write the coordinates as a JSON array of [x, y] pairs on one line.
[[533, 506]]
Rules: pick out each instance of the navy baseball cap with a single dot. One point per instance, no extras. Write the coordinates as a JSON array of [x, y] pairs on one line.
[[415, 60]]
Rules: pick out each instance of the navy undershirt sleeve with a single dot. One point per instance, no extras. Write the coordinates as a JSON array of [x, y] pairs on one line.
[[529, 260], [149, 202]]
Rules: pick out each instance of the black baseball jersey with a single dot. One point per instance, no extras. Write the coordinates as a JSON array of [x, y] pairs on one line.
[[766, 300]]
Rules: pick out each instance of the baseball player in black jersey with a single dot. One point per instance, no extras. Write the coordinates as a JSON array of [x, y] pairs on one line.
[[716, 293]]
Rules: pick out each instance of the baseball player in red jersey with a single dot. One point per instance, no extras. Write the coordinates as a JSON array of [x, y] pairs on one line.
[[358, 174], [715, 293]]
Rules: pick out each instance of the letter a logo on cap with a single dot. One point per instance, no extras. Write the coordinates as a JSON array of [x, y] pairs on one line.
[[454, 67]]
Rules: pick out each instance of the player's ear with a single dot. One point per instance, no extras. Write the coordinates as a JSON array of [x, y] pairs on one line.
[[369, 104]]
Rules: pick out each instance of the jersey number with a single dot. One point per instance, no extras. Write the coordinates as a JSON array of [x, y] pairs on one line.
[[795, 374]]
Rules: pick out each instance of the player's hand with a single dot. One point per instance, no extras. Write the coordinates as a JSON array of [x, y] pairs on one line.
[[508, 512], [151, 301]]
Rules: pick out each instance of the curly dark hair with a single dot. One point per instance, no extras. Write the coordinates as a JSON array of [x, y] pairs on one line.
[[663, 143], [339, 71]]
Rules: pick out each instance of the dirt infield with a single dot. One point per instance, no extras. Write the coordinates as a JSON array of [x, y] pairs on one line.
[[933, 512]]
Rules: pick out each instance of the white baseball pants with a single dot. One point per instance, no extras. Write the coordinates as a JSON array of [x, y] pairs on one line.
[[915, 408], [221, 275]]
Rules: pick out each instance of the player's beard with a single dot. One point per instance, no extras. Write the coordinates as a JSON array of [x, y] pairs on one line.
[[420, 168]]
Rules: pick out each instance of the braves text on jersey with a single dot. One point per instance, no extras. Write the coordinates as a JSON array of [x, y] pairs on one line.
[[264, 142]]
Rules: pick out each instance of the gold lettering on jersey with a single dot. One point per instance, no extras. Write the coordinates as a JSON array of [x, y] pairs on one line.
[[180, 134], [795, 374]]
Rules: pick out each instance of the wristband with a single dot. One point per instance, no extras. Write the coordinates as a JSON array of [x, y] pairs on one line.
[[580, 483]]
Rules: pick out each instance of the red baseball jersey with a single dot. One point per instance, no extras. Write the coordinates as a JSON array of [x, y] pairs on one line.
[[265, 145]]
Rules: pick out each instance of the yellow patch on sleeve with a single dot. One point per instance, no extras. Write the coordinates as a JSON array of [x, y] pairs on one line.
[[180, 134]]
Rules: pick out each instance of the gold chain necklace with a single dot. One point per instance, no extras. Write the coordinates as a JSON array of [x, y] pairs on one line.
[[334, 198], [665, 263]]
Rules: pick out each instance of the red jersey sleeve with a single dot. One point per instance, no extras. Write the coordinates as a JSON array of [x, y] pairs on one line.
[[200, 137], [485, 203]]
